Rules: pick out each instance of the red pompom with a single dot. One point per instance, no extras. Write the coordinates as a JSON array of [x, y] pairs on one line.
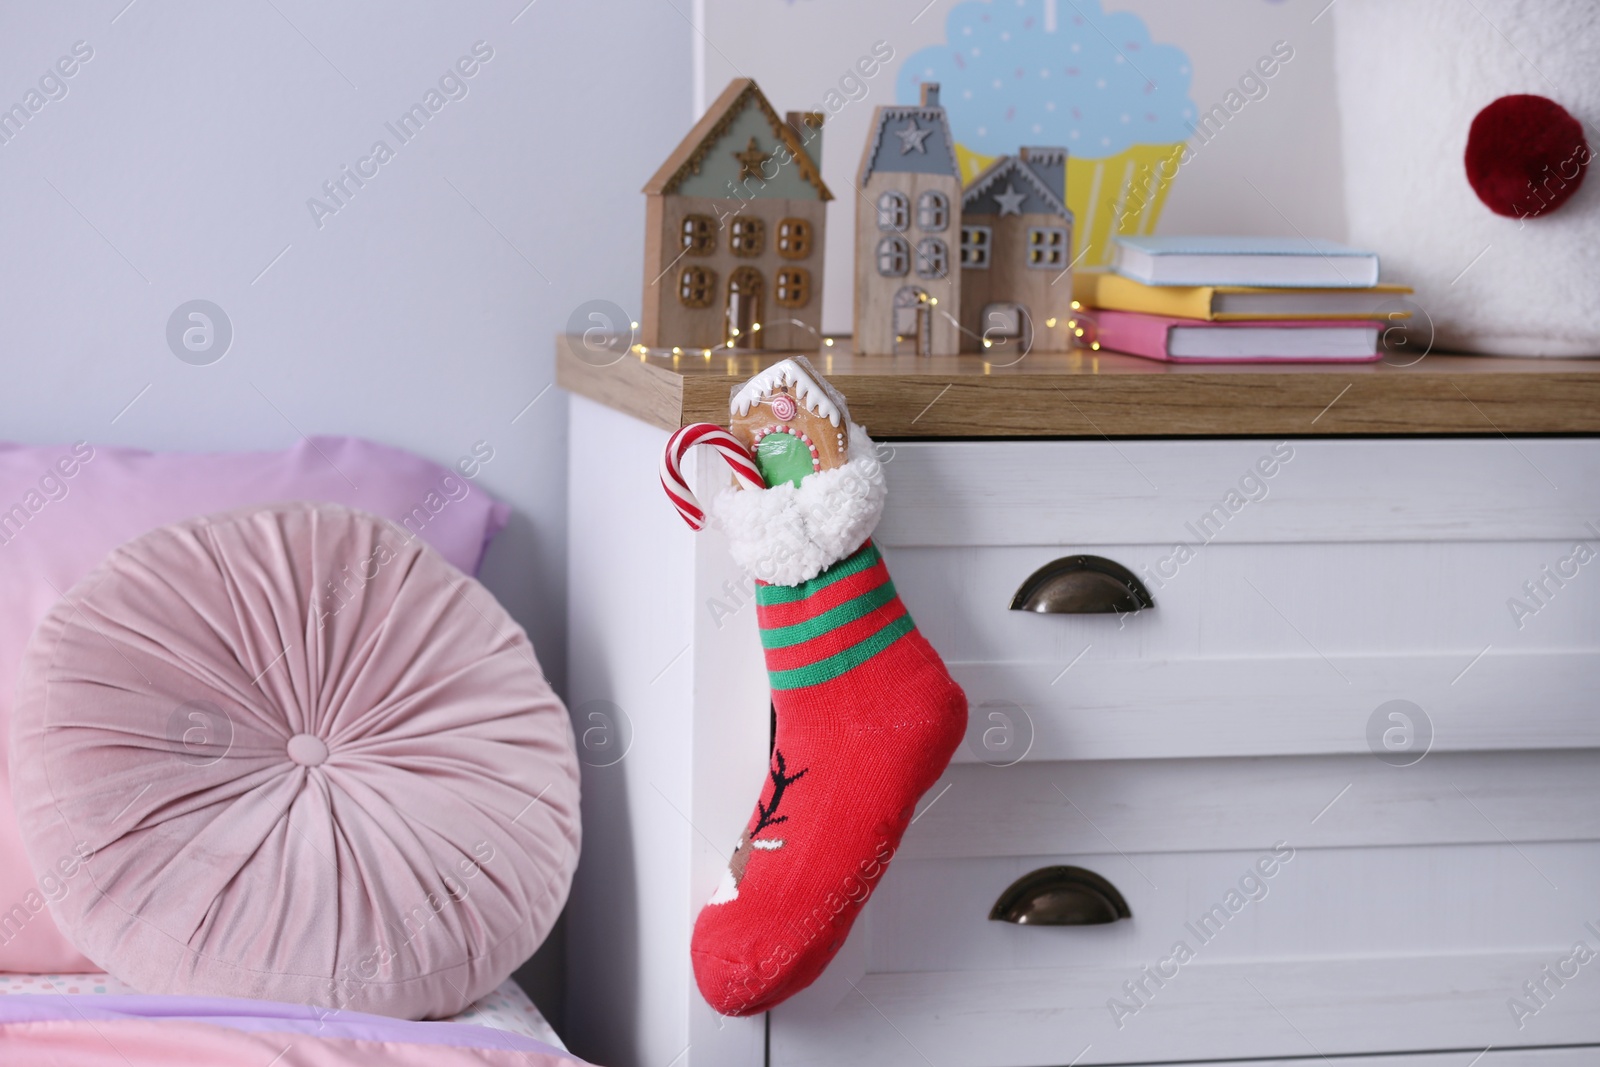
[[1526, 156]]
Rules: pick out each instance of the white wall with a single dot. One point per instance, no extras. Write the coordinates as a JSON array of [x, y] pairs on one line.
[[178, 166]]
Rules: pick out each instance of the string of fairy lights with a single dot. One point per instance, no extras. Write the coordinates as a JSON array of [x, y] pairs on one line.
[[1081, 324]]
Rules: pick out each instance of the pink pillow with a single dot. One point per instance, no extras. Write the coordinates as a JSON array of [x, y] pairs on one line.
[[63, 507], [293, 755]]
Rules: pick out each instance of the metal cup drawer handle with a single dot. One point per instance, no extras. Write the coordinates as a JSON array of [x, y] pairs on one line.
[[1060, 896], [1082, 585]]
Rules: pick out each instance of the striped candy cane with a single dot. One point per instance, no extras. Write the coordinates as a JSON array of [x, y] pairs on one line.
[[729, 447]]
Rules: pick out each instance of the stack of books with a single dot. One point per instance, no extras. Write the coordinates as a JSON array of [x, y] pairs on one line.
[[1243, 299]]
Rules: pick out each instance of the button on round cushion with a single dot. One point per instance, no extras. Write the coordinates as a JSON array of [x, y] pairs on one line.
[[291, 753], [308, 750]]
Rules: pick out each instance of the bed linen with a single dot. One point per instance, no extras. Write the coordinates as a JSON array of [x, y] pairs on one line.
[[115, 1030], [506, 1008]]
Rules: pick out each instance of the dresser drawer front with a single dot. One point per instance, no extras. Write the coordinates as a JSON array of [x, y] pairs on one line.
[[1289, 1013], [1447, 574], [961, 494], [1262, 707], [1285, 600], [1331, 905], [1239, 804]]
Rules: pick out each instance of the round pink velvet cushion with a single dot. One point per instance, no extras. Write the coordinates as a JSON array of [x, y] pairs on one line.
[[307, 760]]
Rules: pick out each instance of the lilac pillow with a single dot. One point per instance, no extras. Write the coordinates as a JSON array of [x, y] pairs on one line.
[[298, 757], [62, 508]]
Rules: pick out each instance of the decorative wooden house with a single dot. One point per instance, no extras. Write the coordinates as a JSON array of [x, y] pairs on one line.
[[1016, 252], [908, 288], [734, 231]]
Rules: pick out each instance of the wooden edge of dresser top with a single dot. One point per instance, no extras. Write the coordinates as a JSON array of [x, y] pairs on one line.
[[1107, 394]]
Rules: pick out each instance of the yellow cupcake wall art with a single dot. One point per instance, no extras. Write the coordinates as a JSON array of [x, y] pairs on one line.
[[1064, 72]]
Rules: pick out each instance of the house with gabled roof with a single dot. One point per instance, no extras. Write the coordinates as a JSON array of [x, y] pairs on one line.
[[908, 287], [734, 227], [1016, 255]]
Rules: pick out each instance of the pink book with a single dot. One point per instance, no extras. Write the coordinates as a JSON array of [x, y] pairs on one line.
[[1196, 341]]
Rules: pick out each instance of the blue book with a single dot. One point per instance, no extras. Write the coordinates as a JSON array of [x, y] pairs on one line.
[[1265, 262]]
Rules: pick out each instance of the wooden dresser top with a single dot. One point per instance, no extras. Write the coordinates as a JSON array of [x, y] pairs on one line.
[[1107, 395]]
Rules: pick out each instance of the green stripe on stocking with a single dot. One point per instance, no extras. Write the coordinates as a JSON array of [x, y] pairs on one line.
[[785, 594], [826, 670], [849, 611]]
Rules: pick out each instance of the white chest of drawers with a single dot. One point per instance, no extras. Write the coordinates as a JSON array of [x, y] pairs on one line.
[[1179, 752]]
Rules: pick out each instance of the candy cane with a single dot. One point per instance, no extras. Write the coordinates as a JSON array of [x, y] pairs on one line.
[[728, 447]]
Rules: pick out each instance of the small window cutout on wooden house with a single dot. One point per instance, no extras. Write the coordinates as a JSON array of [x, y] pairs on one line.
[[976, 241], [794, 287], [794, 238], [699, 234], [744, 237], [933, 258], [933, 211], [894, 211], [1047, 247], [894, 256], [696, 287]]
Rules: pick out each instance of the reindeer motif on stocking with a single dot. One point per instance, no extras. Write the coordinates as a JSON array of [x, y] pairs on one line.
[[766, 816]]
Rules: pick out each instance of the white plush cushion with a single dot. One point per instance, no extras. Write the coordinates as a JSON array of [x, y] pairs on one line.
[[1412, 75]]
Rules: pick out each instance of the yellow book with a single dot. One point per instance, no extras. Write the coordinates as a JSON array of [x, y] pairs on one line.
[[1232, 303]]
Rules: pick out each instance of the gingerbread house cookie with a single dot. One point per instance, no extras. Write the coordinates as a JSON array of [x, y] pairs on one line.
[[792, 420]]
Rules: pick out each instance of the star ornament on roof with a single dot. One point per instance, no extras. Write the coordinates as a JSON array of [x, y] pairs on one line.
[[1010, 201], [751, 160], [912, 137]]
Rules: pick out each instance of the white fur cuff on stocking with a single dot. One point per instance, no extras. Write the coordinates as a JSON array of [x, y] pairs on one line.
[[790, 534]]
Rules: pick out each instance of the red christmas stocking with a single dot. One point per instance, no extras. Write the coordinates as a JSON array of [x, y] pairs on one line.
[[867, 720]]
